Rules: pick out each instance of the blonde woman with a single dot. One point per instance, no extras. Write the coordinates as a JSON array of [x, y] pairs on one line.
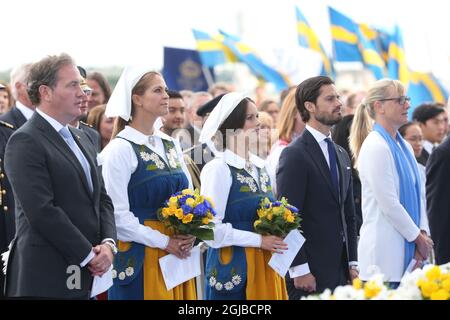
[[395, 226]]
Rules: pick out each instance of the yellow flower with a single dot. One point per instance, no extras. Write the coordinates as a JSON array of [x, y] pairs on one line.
[[446, 284], [261, 213], [277, 210], [199, 200], [187, 218], [190, 202], [256, 223], [187, 191], [165, 212], [434, 273], [288, 216], [172, 210], [205, 220], [269, 216], [371, 289], [428, 288], [357, 284], [179, 214], [209, 215], [440, 295], [173, 201]]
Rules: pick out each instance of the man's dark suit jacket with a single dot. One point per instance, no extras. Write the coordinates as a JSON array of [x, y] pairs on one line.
[[438, 200], [93, 135], [58, 220], [304, 178]]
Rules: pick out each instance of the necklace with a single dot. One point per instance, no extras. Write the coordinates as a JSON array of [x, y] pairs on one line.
[[151, 140], [248, 166]]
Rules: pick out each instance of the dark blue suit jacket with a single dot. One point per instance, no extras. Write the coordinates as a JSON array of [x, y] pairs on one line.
[[328, 219]]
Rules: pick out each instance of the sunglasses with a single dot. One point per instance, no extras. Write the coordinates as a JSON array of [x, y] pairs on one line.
[[401, 100]]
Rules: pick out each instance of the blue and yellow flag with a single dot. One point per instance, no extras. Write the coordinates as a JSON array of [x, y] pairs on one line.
[[307, 38], [425, 87], [372, 58], [211, 49], [248, 56], [344, 35], [383, 44], [397, 67]]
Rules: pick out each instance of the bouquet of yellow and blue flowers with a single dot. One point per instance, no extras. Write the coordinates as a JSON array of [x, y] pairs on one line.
[[276, 218], [188, 212]]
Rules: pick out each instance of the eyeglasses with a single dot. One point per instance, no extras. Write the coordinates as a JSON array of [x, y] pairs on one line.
[[401, 100]]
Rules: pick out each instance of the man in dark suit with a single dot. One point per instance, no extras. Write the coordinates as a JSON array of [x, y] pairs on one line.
[[438, 201], [10, 121], [314, 174], [65, 229]]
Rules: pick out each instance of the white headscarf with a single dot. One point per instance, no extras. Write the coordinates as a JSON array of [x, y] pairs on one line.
[[219, 114], [119, 104]]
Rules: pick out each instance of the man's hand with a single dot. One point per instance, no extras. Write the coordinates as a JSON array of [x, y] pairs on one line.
[[102, 260], [306, 283]]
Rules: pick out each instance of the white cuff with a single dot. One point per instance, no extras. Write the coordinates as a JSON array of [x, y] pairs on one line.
[[90, 256], [353, 263], [108, 239], [299, 271]]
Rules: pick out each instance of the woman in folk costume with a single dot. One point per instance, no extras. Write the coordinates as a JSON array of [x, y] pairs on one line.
[[236, 180], [142, 168]]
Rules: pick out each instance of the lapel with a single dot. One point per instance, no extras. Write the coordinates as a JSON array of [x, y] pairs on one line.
[[344, 170], [58, 142], [319, 160], [82, 140]]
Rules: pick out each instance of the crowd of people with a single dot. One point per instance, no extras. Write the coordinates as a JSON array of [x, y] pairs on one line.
[[85, 169]]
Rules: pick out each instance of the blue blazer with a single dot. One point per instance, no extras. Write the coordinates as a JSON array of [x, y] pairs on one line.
[[328, 218]]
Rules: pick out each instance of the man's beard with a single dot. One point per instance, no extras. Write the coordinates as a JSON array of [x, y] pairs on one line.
[[327, 119]]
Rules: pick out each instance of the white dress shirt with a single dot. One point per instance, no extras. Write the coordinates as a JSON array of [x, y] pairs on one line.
[[119, 161], [27, 112], [216, 182], [303, 269], [428, 146], [386, 223]]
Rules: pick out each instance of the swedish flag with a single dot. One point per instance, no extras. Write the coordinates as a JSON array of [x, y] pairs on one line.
[[307, 38], [397, 67], [211, 50], [425, 87], [370, 53], [344, 34], [248, 56]]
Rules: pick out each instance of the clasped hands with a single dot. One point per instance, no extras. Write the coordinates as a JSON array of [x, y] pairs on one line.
[[180, 245], [102, 260], [424, 246]]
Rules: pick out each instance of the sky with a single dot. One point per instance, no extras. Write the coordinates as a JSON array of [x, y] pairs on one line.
[[100, 33]]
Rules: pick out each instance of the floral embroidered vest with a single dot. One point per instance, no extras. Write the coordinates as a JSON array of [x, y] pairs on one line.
[[152, 183], [228, 280]]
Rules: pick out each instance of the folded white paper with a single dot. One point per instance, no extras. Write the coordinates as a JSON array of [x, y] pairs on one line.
[[176, 271], [102, 283], [281, 262]]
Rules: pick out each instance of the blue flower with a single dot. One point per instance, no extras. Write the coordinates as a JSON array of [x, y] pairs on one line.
[[276, 204], [213, 212], [267, 206], [186, 209], [200, 210], [207, 204], [292, 208]]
